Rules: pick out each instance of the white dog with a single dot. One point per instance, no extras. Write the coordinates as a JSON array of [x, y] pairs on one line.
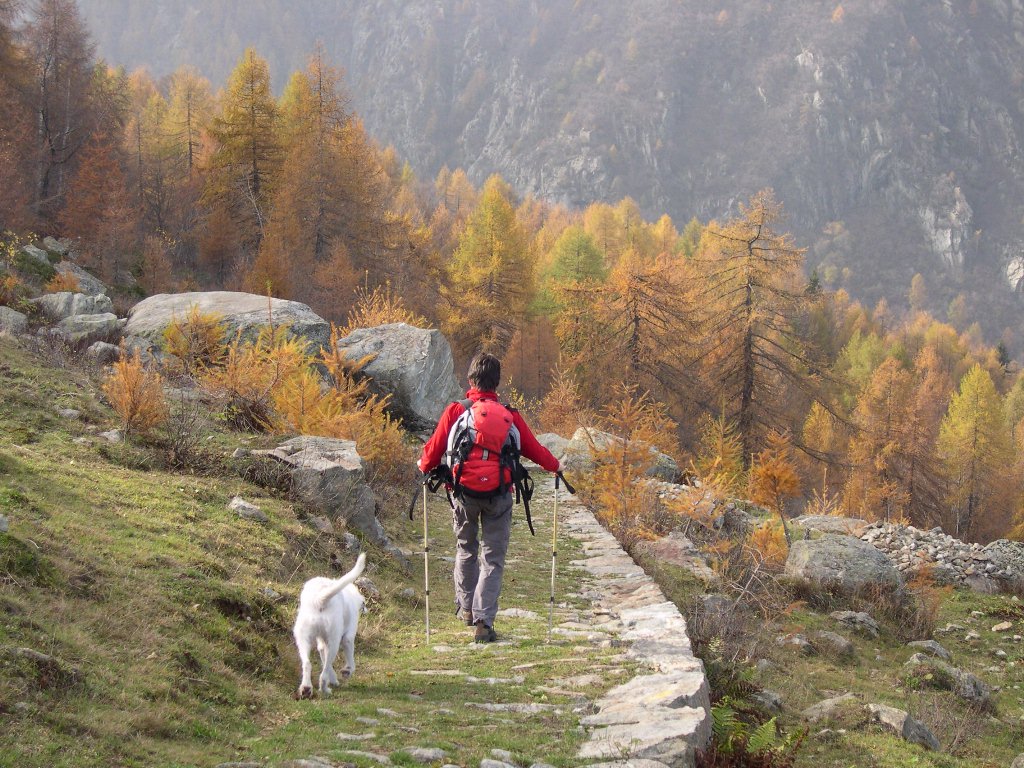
[[328, 615]]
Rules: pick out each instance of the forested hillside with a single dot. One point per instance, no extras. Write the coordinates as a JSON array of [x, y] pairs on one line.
[[708, 332], [889, 128]]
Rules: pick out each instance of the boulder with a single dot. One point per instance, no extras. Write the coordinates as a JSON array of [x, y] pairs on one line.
[[102, 353], [58, 306], [857, 620], [241, 313], [87, 284], [833, 644], [412, 365], [88, 329], [904, 726], [842, 563], [330, 476], [248, 510], [851, 526], [60, 247], [36, 254], [931, 648], [579, 454], [826, 708], [554, 443], [12, 322]]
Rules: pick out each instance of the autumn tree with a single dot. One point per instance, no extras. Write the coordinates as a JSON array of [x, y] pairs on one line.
[[747, 295], [975, 450], [16, 129], [773, 478], [490, 278]]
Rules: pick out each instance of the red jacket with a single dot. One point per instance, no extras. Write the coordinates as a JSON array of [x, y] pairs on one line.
[[434, 450]]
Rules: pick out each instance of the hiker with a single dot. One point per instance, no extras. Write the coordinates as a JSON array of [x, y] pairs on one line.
[[481, 488]]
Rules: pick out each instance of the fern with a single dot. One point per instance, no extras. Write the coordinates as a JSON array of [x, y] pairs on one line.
[[764, 738]]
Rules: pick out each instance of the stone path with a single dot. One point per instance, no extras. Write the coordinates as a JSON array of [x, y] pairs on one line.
[[661, 716]]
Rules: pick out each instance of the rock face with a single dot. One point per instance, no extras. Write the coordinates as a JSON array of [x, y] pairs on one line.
[[87, 284], [12, 322], [88, 329], [412, 365], [244, 313], [58, 306], [579, 454], [329, 475], [843, 563]]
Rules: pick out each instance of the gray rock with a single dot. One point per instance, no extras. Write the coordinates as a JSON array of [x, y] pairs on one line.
[[503, 754], [36, 254], [247, 510], [241, 313], [412, 365], [961, 682], [843, 563], [851, 526], [350, 542], [796, 642], [60, 247], [240, 453], [827, 707], [426, 755], [87, 283], [904, 726], [382, 759], [69, 413], [579, 454], [321, 524], [554, 443], [770, 700], [1018, 761], [4, 524], [12, 322], [102, 353], [676, 549], [368, 588], [833, 644], [88, 329], [330, 476], [857, 620], [932, 648], [488, 763], [58, 306], [112, 436]]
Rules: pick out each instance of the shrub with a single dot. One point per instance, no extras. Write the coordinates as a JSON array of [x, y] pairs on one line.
[[561, 410], [768, 542], [13, 292], [380, 307], [136, 394], [63, 281], [196, 341]]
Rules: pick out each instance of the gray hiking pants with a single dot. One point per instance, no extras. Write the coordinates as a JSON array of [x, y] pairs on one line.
[[478, 576]]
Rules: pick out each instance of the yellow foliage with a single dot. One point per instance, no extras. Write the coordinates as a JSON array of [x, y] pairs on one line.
[[380, 307], [562, 409], [196, 341], [769, 542], [773, 477], [63, 281], [721, 453], [136, 394]]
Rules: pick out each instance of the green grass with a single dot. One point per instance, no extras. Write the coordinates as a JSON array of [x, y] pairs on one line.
[[146, 583]]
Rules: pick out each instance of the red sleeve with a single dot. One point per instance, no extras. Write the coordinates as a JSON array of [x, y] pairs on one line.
[[435, 447], [531, 449]]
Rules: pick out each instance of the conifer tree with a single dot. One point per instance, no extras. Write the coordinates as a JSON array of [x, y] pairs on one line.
[[974, 446]]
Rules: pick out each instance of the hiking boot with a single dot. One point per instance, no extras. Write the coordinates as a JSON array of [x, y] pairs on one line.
[[484, 633], [466, 615]]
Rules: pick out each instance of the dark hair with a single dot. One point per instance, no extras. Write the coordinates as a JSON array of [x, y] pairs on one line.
[[485, 372]]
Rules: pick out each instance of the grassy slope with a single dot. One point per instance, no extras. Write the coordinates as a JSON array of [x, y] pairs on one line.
[[144, 581], [969, 739]]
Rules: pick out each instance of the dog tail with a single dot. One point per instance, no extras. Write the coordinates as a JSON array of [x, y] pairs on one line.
[[339, 584]]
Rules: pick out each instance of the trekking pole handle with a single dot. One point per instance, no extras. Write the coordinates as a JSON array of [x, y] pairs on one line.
[[568, 487]]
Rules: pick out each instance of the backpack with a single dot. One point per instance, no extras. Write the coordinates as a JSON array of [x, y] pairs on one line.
[[483, 454]]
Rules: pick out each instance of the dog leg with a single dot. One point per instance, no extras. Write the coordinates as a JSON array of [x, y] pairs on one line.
[[306, 684], [327, 675], [349, 644]]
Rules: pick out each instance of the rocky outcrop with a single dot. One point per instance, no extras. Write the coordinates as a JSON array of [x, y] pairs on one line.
[[579, 454], [411, 365], [58, 306], [83, 330], [329, 475], [12, 322], [949, 560], [87, 284], [243, 314], [841, 563]]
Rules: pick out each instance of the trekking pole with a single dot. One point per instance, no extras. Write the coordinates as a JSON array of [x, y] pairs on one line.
[[554, 556], [426, 561]]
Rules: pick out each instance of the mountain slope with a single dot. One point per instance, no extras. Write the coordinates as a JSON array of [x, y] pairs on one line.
[[890, 129]]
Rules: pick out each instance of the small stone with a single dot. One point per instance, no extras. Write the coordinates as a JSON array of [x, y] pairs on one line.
[[350, 542], [240, 453], [321, 524], [486, 763], [1005, 626], [248, 511], [382, 759], [825, 708], [834, 644], [368, 721], [1018, 761], [770, 700], [931, 647], [355, 736], [102, 353], [112, 436], [408, 594], [69, 413], [503, 755], [904, 726], [426, 754], [383, 712], [972, 635], [270, 594], [999, 653], [3, 524]]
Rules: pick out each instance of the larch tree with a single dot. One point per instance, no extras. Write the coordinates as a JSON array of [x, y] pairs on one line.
[[747, 296], [490, 277], [189, 110], [247, 156], [975, 449]]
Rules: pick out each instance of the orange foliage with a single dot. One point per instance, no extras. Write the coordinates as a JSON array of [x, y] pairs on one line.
[[136, 394], [769, 542], [61, 282]]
